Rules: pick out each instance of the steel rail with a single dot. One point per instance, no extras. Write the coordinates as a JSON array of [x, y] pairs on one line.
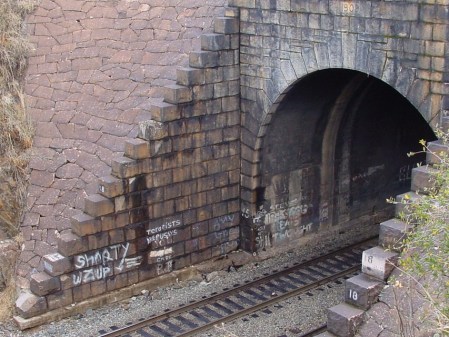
[[271, 301], [315, 331], [193, 305]]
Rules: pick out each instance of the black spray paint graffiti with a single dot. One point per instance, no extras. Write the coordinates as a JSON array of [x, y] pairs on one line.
[[97, 265]]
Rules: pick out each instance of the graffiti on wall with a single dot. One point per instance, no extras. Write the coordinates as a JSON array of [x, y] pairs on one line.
[[163, 258], [105, 262], [162, 234], [277, 223], [99, 264]]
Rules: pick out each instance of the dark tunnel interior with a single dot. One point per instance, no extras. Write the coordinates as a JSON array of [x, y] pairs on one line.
[[337, 145]]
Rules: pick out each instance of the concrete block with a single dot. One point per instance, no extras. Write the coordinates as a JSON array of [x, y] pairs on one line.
[[42, 284], [362, 291], [55, 264], [344, 319], [98, 205], [435, 150], [423, 179], [29, 305], [378, 263], [392, 232]]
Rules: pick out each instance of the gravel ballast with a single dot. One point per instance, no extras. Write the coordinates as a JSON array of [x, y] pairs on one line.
[[290, 318]]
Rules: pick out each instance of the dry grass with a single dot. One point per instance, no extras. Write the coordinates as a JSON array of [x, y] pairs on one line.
[[16, 135], [16, 132], [8, 291]]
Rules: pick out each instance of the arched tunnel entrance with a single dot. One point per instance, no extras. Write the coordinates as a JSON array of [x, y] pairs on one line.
[[335, 150]]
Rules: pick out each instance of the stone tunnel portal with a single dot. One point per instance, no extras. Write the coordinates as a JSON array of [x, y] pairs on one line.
[[335, 150]]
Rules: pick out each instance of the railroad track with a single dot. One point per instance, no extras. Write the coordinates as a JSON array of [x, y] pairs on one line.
[[244, 299]]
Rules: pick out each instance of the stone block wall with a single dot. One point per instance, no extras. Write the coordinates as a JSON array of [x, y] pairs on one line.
[[402, 43], [187, 188], [171, 201]]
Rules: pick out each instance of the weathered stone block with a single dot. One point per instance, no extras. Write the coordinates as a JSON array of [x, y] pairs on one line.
[[362, 291], [137, 148], [224, 248], [435, 150], [203, 59], [197, 257], [190, 76], [378, 263], [153, 130], [226, 25], [82, 292], [203, 92], [214, 42], [124, 167], [403, 200], [98, 205], [70, 244], [242, 3], [98, 240], [127, 202], [98, 287], [114, 221], [42, 284], [110, 186], [59, 299], [164, 112], [117, 282], [392, 233], [29, 305], [83, 224], [228, 58], [176, 94], [423, 179], [344, 319], [55, 264], [116, 236]]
